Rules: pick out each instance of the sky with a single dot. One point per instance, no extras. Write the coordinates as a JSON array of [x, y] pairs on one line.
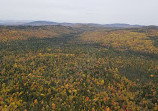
[[143, 12]]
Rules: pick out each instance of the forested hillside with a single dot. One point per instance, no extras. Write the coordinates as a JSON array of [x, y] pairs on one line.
[[45, 68], [27, 32], [125, 40]]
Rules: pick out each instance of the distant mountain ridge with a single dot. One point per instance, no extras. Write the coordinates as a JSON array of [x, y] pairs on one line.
[[13, 22], [42, 23], [121, 25]]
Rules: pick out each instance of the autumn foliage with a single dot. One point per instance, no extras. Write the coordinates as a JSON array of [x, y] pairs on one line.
[[90, 71]]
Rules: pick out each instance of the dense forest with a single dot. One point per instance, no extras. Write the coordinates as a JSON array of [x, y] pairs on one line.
[[61, 68]]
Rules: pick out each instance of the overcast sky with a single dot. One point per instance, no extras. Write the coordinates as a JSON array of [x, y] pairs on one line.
[[144, 12]]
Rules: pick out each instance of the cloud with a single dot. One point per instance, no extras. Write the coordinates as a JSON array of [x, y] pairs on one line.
[[98, 11]]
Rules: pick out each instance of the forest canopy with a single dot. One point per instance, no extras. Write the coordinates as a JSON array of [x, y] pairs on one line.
[[78, 68]]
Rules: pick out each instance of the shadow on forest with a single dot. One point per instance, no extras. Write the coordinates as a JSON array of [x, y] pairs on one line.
[[34, 44], [154, 39], [63, 42]]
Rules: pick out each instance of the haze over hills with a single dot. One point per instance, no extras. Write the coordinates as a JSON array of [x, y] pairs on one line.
[[14, 22], [42, 23]]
